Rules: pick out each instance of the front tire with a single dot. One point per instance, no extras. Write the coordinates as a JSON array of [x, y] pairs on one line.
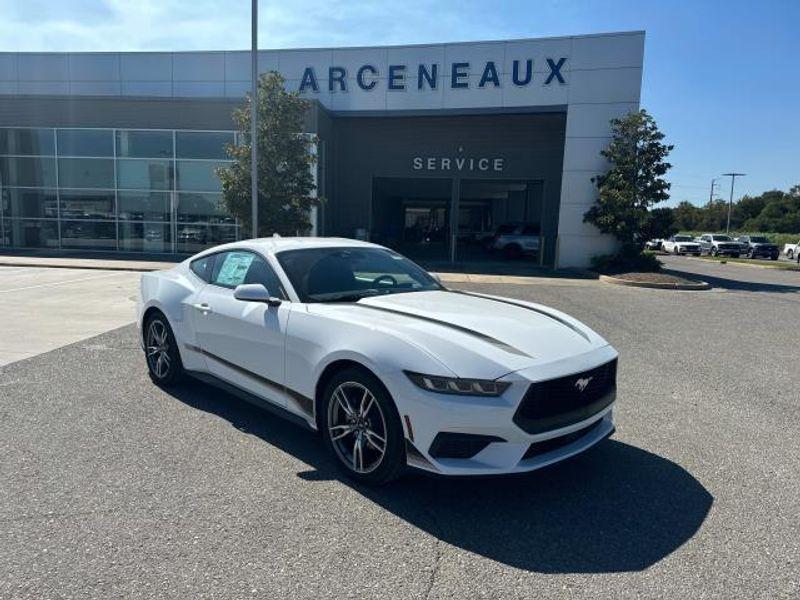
[[362, 428], [161, 351], [790, 254]]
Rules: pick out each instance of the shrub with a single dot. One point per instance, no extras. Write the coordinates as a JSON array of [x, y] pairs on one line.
[[626, 261]]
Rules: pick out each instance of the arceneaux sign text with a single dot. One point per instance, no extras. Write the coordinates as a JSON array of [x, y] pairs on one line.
[[429, 76]]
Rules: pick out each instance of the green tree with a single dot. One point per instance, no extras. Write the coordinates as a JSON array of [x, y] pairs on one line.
[[714, 216], [285, 162], [687, 216], [634, 183], [660, 224]]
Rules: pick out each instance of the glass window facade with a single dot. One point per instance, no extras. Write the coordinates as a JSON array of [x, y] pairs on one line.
[[145, 144], [113, 189], [203, 144], [85, 142]]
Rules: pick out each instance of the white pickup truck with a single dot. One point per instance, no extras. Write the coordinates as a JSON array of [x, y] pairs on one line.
[[790, 250]]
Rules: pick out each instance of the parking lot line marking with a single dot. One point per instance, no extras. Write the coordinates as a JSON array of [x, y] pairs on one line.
[[54, 283]]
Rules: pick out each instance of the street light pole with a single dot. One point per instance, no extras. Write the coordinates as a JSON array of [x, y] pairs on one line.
[[254, 116], [733, 177]]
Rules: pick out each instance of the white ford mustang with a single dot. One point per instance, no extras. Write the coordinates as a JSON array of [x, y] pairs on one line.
[[357, 342]]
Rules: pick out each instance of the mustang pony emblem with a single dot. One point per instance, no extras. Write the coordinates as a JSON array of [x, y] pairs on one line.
[[581, 384]]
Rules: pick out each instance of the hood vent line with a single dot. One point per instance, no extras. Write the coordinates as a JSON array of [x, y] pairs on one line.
[[523, 306], [486, 338]]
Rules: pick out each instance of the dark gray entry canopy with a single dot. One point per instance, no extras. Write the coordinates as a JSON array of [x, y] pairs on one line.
[[442, 180]]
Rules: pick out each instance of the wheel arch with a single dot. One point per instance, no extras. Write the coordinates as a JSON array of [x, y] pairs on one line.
[[331, 369], [148, 314]]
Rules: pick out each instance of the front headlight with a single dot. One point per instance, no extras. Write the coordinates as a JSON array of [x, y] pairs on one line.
[[458, 385]]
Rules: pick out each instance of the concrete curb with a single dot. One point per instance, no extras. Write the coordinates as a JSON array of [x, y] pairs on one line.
[[86, 264], [700, 285]]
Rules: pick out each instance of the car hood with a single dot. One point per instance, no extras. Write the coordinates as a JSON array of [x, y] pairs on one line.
[[686, 244], [473, 335]]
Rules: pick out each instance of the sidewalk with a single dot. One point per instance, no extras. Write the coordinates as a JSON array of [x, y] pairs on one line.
[[459, 273], [83, 263]]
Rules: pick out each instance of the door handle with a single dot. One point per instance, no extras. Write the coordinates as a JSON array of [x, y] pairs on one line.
[[205, 308]]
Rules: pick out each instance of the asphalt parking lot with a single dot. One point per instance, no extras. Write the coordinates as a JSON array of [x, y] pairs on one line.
[[114, 488]]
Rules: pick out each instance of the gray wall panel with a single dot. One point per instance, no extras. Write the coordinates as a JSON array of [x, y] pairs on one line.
[[43, 67], [94, 67], [199, 66], [146, 67], [116, 112], [147, 88], [8, 67]]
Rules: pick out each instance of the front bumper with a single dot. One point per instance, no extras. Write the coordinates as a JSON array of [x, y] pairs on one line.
[[509, 448], [684, 250], [765, 252]]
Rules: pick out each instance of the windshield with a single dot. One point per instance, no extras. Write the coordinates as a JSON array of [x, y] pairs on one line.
[[757, 239], [684, 238], [348, 274], [721, 238]]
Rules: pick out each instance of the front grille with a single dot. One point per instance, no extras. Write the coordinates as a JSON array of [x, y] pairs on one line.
[[543, 447], [557, 403]]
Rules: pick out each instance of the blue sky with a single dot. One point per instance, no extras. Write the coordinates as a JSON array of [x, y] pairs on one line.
[[722, 78]]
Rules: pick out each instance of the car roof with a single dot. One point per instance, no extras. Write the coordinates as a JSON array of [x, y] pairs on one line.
[[271, 245]]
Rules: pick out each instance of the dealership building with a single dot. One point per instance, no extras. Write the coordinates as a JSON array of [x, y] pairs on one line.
[[430, 149]]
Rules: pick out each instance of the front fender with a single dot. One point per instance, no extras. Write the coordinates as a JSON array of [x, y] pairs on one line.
[[315, 341]]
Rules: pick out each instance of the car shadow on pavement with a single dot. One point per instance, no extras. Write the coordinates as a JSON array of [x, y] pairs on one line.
[[735, 284], [613, 508]]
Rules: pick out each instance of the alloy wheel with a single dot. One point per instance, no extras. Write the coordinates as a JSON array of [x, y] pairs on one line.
[[357, 427], [158, 357]]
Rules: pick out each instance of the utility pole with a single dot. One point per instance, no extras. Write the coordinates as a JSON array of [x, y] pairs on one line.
[[254, 115], [733, 177], [711, 193]]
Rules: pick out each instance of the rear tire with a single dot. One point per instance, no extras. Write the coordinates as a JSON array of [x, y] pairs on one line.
[[161, 352], [790, 254], [362, 428]]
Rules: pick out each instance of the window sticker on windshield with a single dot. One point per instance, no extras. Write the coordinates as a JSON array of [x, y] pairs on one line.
[[234, 269]]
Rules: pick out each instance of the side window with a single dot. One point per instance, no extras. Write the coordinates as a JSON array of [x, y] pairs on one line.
[[202, 267], [241, 267], [231, 268], [261, 272]]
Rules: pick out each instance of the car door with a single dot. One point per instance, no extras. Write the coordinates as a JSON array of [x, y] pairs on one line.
[[243, 342]]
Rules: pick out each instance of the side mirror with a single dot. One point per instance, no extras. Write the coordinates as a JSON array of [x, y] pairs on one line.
[[255, 292]]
